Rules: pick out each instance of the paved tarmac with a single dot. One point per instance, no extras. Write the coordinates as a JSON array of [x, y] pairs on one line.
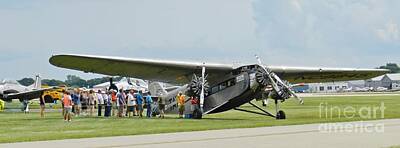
[[379, 133]]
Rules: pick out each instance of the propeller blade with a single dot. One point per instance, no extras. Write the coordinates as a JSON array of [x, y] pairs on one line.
[[203, 71], [289, 89], [274, 83]]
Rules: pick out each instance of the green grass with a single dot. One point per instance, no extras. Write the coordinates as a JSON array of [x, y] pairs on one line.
[[17, 127], [34, 104]]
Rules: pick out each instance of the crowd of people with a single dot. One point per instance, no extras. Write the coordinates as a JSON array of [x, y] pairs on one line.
[[119, 103]]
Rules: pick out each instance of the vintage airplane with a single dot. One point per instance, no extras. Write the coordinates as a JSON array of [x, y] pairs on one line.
[[223, 88], [11, 89]]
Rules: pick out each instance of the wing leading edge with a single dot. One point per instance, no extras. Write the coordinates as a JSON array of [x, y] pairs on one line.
[[317, 75], [157, 70], [181, 72]]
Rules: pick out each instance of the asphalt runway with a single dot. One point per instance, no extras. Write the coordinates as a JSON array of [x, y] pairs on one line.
[[379, 133]]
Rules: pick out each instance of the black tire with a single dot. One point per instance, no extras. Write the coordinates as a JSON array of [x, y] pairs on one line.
[[280, 115], [197, 114]]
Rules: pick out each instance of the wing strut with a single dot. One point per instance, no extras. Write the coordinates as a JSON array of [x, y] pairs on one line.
[[266, 113]]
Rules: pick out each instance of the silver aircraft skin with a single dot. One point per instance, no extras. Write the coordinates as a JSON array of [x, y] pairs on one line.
[[220, 87], [125, 83]]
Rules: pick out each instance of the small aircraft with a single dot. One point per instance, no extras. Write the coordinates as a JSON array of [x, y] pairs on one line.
[[11, 89], [223, 87], [381, 89]]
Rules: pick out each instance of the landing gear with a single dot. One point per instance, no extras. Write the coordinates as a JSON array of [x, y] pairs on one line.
[[263, 112], [197, 114], [280, 115]]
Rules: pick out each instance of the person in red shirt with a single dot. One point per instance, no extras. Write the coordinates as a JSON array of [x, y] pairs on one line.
[[195, 102], [114, 101]]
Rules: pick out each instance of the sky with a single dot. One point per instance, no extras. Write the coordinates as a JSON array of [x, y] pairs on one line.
[[329, 33]]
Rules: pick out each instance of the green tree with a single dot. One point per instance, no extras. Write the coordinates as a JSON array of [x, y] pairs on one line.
[[26, 81], [53, 82], [75, 81], [96, 81], [393, 67]]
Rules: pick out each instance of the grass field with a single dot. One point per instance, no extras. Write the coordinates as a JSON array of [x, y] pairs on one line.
[[17, 127]]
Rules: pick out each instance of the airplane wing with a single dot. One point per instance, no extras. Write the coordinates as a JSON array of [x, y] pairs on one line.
[[33, 94], [181, 72], [156, 70], [317, 75]]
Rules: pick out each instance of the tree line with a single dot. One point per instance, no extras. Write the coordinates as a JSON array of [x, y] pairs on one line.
[[393, 67], [71, 81]]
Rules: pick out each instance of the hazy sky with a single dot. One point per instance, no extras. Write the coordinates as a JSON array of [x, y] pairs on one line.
[[333, 33]]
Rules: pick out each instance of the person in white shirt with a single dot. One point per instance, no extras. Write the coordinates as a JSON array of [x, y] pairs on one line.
[[131, 103], [100, 102]]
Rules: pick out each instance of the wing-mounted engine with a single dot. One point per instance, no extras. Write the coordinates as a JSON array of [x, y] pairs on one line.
[[195, 85], [280, 90], [274, 87]]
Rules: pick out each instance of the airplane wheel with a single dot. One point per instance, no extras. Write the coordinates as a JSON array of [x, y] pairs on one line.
[[280, 115], [197, 114]]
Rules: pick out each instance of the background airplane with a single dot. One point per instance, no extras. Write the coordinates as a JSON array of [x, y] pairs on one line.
[[223, 87], [11, 89], [124, 83]]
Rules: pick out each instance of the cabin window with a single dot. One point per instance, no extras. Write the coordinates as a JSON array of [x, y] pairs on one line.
[[222, 86], [240, 78], [337, 87], [329, 87], [231, 82], [214, 89], [321, 88]]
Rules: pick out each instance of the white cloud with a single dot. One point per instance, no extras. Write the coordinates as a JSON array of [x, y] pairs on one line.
[[328, 33]]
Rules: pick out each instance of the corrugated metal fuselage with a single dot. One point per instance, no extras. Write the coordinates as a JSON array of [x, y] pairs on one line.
[[230, 92]]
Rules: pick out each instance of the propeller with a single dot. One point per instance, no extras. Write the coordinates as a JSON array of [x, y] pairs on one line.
[[196, 85], [265, 77], [199, 86], [288, 88]]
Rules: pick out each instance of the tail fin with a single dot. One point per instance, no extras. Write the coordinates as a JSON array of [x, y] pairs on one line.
[[38, 83]]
